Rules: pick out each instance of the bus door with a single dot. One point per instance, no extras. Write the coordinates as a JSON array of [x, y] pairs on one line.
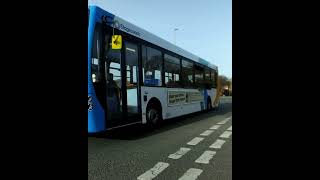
[[131, 86], [122, 85]]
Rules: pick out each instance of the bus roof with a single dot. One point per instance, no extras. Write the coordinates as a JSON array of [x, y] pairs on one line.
[[134, 30]]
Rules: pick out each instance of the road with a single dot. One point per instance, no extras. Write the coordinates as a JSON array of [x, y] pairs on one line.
[[179, 148]]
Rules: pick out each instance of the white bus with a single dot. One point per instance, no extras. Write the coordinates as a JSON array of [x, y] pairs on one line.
[[146, 81]]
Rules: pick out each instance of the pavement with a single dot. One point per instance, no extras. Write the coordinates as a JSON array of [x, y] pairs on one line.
[[196, 146]]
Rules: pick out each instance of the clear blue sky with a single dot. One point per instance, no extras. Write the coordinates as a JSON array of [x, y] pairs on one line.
[[205, 26]]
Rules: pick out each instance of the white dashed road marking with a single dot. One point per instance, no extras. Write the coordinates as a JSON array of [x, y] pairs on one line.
[[224, 121], [195, 141], [205, 157], [191, 174], [177, 155], [153, 172], [218, 144], [215, 127], [226, 134], [206, 133]]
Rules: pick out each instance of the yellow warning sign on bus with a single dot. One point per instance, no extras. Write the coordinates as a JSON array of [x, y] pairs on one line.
[[116, 42]]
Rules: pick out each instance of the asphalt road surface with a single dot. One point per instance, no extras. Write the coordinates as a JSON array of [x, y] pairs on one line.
[[197, 146]]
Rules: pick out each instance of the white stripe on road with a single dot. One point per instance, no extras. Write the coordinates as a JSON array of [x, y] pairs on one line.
[[206, 133], [205, 157], [195, 141], [191, 174], [153, 172], [215, 127], [224, 121], [218, 144], [177, 155], [226, 134], [230, 128]]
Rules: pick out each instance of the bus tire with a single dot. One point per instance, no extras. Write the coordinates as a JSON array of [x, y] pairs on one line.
[[153, 115]]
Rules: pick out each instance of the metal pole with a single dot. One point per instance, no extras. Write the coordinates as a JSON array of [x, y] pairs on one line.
[[175, 29]]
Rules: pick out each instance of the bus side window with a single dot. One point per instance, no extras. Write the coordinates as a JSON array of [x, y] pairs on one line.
[[187, 74], [199, 76], [152, 66], [213, 79], [172, 71], [208, 81]]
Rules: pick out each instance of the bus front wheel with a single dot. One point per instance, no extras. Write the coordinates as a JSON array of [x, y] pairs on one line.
[[153, 116]]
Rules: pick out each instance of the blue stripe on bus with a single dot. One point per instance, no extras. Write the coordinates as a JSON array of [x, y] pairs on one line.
[[100, 12], [96, 119], [96, 116]]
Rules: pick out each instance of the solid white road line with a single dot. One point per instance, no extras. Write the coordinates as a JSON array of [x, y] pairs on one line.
[[230, 128], [195, 141], [226, 134], [191, 174], [217, 144], [206, 133], [153, 172], [215, 126], [205, 157], [177, 155]]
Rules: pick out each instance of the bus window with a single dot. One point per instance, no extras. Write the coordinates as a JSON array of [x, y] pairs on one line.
[[98, 71], [199, 75], [152, 66], [96, 64], [113, 76], [187, 74], [207, 78], [114, 68], [172, 71], [214, 77]]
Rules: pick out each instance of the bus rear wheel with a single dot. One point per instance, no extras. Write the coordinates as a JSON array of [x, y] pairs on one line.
[[153, 116]]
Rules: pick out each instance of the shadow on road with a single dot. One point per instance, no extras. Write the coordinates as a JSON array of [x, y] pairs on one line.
[[140, 131]]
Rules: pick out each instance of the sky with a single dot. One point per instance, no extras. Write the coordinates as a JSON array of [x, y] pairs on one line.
[[204, 26]]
